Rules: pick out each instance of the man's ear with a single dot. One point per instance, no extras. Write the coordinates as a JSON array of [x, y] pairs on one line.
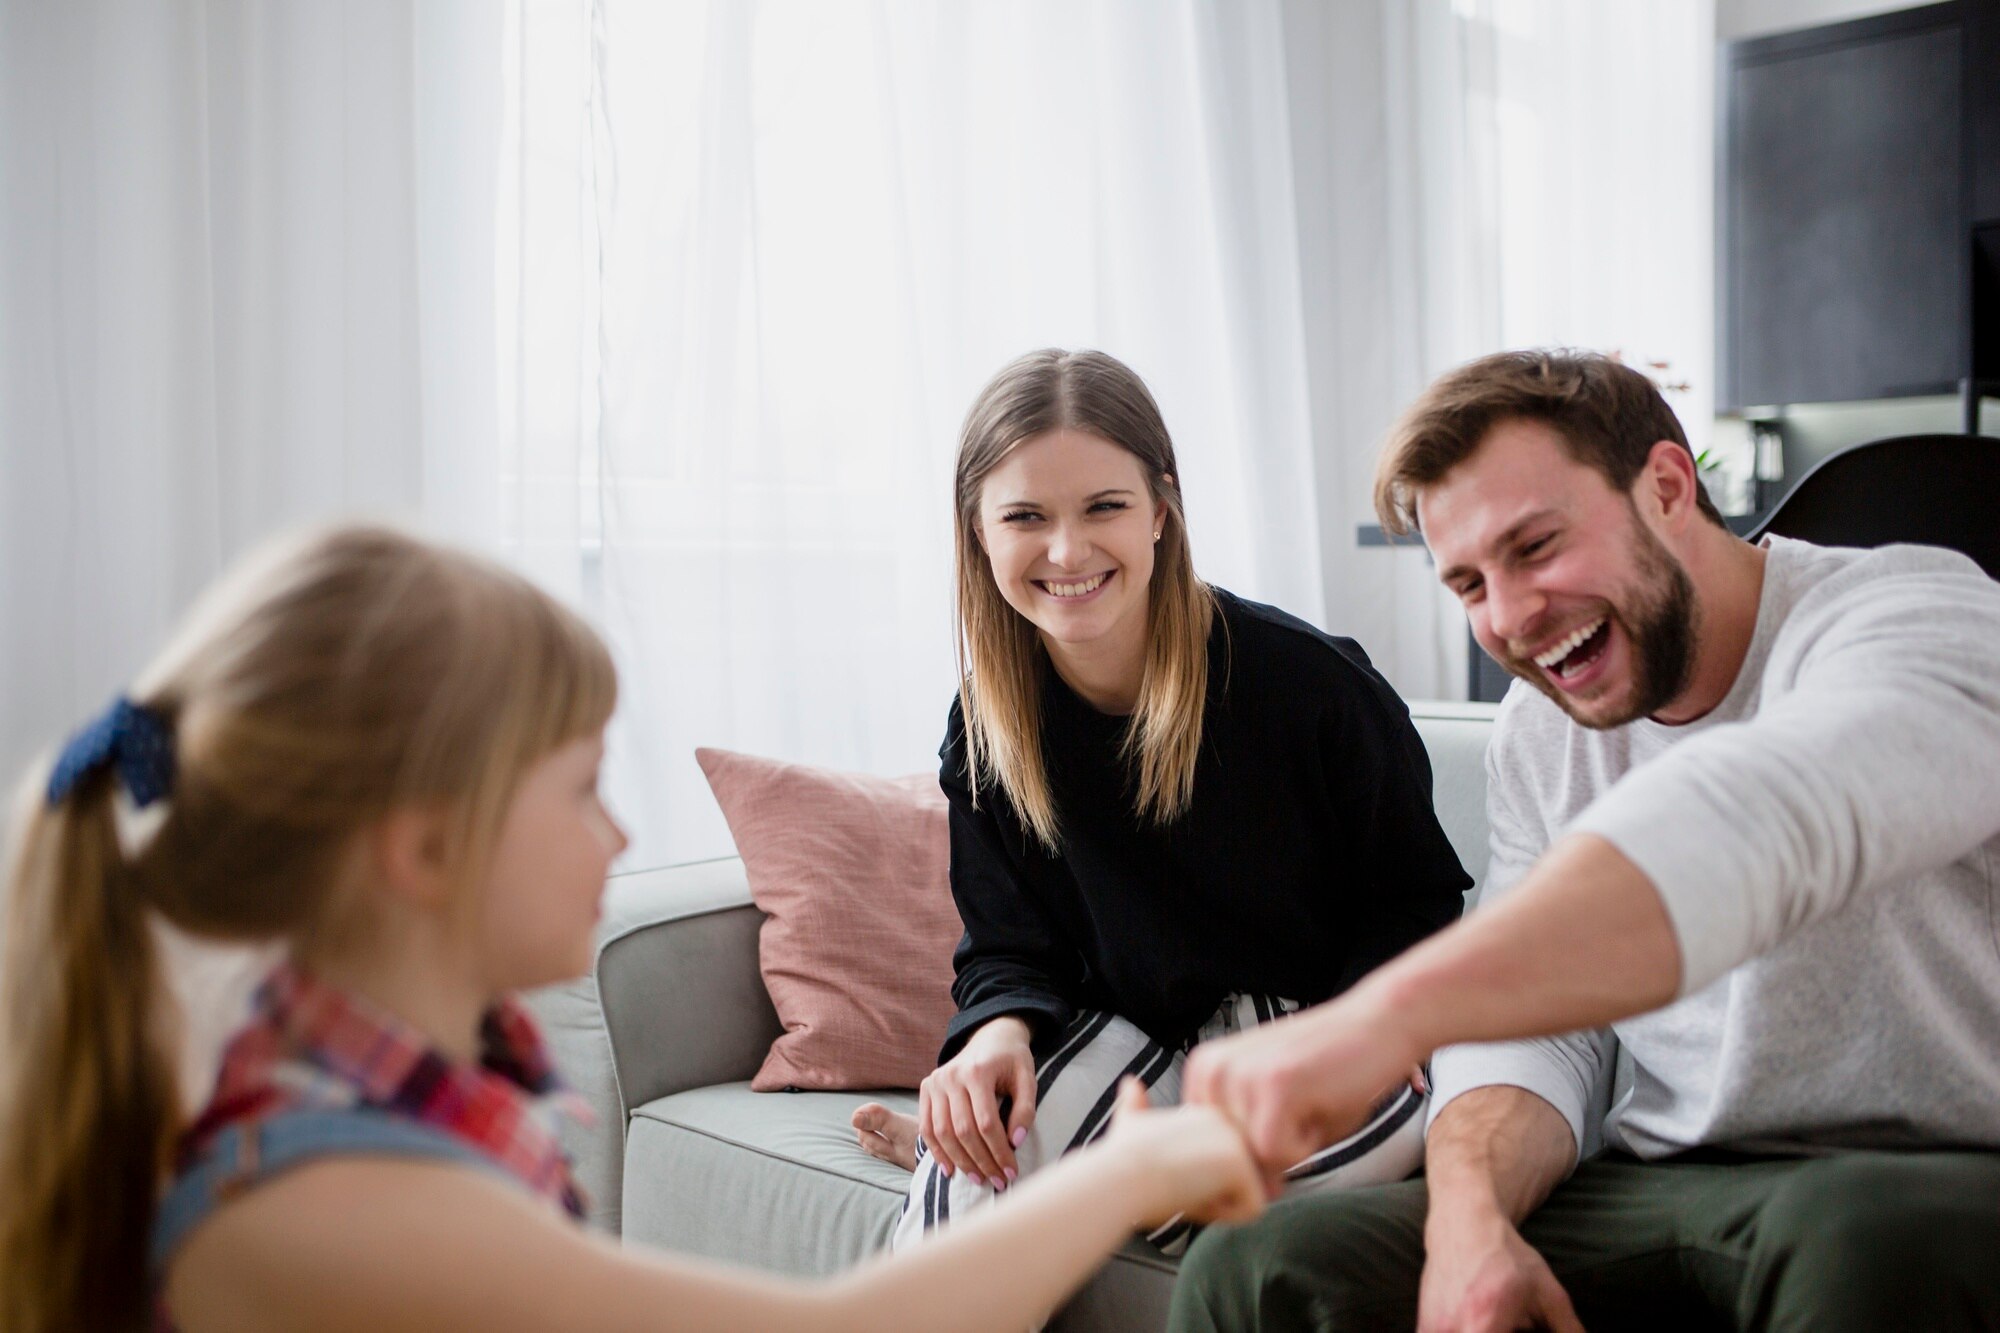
[[1670, 485], [411, 848]]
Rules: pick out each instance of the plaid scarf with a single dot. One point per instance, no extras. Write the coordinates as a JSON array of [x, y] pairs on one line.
[[310, 1046]]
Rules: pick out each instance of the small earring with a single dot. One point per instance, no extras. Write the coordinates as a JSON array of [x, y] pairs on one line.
[[1156, 536]]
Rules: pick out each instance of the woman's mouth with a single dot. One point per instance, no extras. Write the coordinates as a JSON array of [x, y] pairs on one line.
[[1074, 590]]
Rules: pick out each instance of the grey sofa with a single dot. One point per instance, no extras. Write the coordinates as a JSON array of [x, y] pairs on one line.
[[686, 1157]]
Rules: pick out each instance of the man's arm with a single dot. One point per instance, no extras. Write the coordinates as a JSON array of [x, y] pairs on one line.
[[1582, 940], [1492, 1157], [1496, 1152], [1869, 762], [1876, 764]]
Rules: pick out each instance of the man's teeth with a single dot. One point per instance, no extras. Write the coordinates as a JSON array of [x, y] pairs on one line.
[[1568, 645], [1089, 585]]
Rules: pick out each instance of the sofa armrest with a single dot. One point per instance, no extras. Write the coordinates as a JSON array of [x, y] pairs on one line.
[[684, 1003]]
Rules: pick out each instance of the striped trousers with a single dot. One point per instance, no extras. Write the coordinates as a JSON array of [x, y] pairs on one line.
[[1076, 1084]]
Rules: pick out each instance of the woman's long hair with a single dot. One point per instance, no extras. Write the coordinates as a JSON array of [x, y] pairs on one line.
[[1001, 657], [345, 675]]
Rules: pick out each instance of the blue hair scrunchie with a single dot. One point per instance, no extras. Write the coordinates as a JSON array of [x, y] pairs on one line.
[[134, 739]]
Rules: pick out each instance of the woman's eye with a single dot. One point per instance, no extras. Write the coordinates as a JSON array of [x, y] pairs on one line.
[[1108, 505], [1536, 546]]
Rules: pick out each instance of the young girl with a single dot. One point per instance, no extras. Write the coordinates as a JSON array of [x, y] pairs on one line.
[[385, 755], [1174, 813]]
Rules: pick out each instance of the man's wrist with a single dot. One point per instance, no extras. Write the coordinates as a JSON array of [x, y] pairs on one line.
[[1462, 1201]]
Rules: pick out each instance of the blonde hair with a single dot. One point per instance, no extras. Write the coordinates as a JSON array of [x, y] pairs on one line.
[[1001, 657], [344, 675]]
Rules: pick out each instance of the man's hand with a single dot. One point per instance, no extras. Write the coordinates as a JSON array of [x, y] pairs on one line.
[[1303, 1082], [1481, 1277]]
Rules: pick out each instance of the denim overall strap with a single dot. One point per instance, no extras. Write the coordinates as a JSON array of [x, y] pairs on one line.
[[245, 1155]]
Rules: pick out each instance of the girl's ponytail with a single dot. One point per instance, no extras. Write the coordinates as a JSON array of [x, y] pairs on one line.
[[88, 1100], [339, 677]]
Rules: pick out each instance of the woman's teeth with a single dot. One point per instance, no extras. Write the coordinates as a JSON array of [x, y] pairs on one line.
[[1089, 585], [1568, 645]]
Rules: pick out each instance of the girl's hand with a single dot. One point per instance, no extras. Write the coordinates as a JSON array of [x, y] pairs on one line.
[[1192, 1162], [958, 1106], [1303, 1082]]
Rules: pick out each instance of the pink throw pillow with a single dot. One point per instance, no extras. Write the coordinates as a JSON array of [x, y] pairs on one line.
[[854, 873]]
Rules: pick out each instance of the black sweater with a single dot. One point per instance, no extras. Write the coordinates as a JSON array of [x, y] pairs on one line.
[[1308, 856]]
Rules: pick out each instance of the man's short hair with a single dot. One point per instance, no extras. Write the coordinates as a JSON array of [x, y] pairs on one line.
[[1608, 415]]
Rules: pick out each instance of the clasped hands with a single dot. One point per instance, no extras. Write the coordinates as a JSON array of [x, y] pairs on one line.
[[1288, 1088], [1296, 1085]]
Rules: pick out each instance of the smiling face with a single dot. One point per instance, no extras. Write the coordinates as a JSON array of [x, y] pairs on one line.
[[1067, 523], [546, 883], [1561, 579]]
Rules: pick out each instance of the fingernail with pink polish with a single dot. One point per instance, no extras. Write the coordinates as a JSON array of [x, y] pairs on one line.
[[1012, 1175], [975, 1178], [1020, 1136]]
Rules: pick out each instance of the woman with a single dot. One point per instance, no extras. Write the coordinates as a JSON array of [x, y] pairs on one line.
[[1174, 813]]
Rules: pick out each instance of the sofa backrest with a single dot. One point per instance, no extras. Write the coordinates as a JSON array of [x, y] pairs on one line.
[[1455, 736]]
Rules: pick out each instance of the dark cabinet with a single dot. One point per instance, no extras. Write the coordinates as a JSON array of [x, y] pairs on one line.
[[1853, 162]]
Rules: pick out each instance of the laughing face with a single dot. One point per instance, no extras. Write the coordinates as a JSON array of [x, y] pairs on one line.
[[1561, 579], [1068, 522]]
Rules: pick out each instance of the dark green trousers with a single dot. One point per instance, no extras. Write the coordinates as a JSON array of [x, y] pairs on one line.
[[1863, 1241]]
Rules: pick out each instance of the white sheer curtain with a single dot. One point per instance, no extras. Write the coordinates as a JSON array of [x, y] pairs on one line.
[[1480, 174], [763, 255], [680, 305], [240, 251], [1603, 194], [246, 282]]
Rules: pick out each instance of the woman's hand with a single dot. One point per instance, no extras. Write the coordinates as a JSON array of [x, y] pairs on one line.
[[958, 1106], [1191, 1161]]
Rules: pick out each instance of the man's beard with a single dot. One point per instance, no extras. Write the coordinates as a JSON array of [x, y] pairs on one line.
[[1661, 622]]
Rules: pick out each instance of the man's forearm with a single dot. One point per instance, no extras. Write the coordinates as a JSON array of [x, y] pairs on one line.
[[1492, 1158], [1496, 1150], [1581, 941]]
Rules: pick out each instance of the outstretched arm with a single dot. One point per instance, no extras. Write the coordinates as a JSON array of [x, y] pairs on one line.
[[359, 1243], [1582, 940]]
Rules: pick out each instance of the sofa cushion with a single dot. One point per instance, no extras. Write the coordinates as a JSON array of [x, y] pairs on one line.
[[775, 1180], [772, 1179], [1454, 737], [852, 870]]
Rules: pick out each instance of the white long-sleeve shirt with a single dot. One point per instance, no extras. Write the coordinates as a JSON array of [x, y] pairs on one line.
[[1827, 846]]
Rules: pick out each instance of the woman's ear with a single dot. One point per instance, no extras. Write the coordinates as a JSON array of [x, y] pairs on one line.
[[411, 848]]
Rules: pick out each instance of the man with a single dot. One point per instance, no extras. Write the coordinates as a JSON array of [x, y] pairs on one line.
[[1756, 785]]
